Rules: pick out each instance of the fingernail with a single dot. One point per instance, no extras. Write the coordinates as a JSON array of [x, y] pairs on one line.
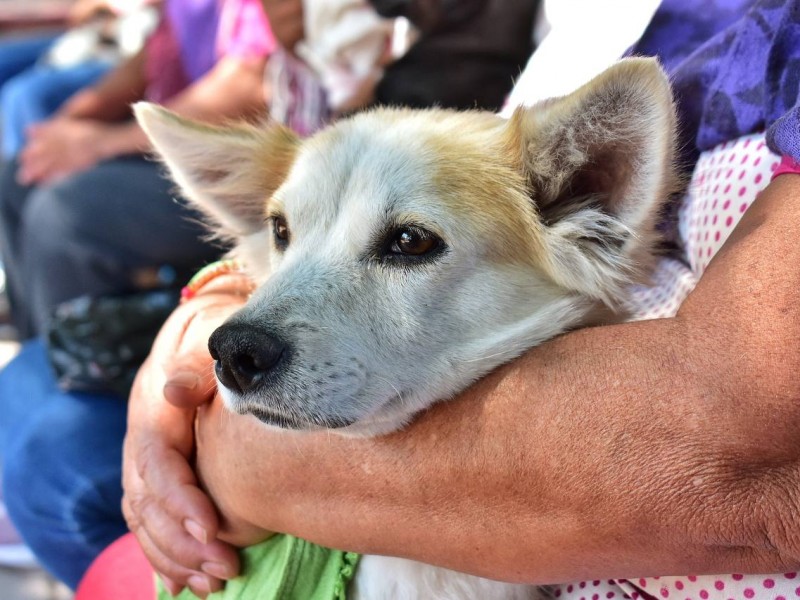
[[217, 570], [185, 379], [199, 585], [196, 530], [172, 587]]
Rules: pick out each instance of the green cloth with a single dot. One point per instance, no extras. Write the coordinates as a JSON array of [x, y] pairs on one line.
[[285, 568]]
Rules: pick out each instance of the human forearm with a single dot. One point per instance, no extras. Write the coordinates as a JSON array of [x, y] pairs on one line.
[[111, 97], [233, 89], [646, 448]]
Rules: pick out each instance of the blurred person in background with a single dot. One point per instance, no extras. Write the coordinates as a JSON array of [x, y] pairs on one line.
[[342, 56], [38, 72], [84, 212]]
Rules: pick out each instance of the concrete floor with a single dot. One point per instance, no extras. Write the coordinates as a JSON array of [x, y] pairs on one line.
[[30, 584]]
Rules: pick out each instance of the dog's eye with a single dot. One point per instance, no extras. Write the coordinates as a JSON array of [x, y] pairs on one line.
[[281, 232], [414, 241]]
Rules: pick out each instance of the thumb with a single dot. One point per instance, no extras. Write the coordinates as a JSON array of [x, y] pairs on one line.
[[190, 381]]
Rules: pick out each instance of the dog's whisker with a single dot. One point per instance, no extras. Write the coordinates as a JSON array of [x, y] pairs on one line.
[[393, 386], [297, 447], [486, 357]]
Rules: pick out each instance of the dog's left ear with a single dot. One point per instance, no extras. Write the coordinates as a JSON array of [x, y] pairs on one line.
[[227, 172], [598, 164]]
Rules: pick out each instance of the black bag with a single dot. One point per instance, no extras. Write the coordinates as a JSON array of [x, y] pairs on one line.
[[98, 344]]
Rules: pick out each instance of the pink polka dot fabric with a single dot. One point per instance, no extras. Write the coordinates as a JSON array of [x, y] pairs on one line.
[[725, 182], [784, 586]]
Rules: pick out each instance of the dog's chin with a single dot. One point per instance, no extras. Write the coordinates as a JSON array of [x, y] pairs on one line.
[[274, 418], [382, 421]]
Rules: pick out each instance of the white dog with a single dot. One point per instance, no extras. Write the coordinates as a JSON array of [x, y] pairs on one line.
[[401, 255]]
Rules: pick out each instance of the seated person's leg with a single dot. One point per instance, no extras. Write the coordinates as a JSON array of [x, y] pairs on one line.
[[35, 94], [62, 465], [13, 197], [98, 232], [19, 53]]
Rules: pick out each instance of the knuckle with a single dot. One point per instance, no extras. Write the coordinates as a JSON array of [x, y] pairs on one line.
[[776, 501], [147, 460], [137, 506]]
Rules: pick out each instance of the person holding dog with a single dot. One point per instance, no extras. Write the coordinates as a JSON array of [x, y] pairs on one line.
[[666, 446], [60, 154]]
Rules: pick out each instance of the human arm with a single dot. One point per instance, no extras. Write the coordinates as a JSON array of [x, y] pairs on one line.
[[232, 89], [111, 97], [641, 449], [61, 146], [286, 19]]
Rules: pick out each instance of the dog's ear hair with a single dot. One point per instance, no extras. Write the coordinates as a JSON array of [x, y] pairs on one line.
[[598, 164], [226, 172]]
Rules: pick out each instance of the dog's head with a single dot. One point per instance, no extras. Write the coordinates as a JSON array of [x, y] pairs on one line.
[[402, 254]]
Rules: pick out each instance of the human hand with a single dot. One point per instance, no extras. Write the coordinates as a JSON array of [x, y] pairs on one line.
[[174, 521], [286, 20], [85, 10], [61, 147], [81, 105]]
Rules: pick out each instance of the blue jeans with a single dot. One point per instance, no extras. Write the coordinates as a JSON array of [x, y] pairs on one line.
[[30, 93], [62, 465], [36, 93], [91, 233], [19, 53]]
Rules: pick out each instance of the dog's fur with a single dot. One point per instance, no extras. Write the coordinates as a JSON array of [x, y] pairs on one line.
[[542, 224]]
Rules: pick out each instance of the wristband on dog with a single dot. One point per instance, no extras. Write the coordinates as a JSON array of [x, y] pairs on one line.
[[207, 274]]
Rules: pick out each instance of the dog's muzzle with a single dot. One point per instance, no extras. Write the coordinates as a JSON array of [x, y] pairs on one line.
[[246, 355]]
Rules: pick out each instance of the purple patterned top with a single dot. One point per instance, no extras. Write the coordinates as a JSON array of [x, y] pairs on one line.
[[735, 66]]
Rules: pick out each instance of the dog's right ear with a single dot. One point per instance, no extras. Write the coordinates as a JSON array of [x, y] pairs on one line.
[[228, 173]]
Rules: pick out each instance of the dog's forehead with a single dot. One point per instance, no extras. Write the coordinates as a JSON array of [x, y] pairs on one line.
[[354, 163], [418, 166], [389, 160]]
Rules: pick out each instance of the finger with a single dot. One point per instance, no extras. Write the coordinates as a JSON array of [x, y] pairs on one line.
[[189, 391], [173, 587], [168, 553], [35, 129], [216, 559], [167, 502], [27, 158], [168, 477], [37, 165], [200, 583], [155, 425], [52, 176], [190, 381]]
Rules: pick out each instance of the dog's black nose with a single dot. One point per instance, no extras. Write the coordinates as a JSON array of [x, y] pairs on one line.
[[245, 355]]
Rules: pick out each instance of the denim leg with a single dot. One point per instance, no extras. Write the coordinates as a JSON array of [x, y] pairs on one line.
[[13, 198], [19, 53], [92, 233], [35, 94], [62, 456]]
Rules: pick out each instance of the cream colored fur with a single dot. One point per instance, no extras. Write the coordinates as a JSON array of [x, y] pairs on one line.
[[545, 220]]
